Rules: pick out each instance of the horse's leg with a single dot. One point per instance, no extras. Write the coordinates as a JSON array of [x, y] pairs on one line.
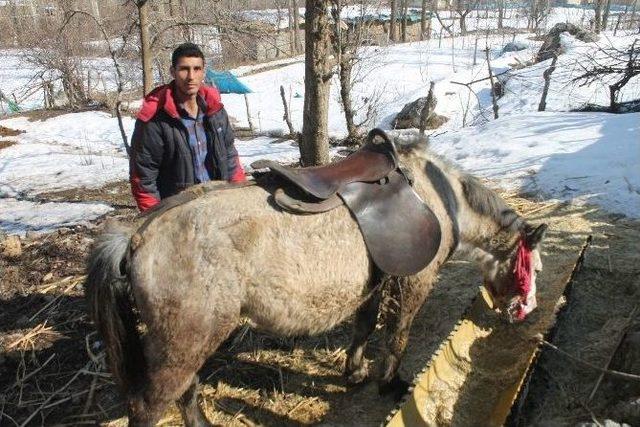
[[173, 377], [409, 295], [188, 405], [356, 367]]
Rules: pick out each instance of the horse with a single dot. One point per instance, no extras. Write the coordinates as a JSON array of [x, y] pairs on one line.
[[188, 276]]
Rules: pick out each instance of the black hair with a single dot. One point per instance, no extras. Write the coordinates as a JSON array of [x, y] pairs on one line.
[[186, 50]]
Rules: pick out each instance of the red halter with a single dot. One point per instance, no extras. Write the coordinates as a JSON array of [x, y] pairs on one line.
[[522, 274]]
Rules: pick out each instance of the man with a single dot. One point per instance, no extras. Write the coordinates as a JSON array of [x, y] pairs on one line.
[[182, 135]]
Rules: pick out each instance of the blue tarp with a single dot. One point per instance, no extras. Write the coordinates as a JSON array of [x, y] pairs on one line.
[[225, 82]]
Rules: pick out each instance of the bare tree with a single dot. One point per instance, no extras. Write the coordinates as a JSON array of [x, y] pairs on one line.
[[494, 100], [296, 26], [613, 67], [115, 55], [463, 8], [547, 82], [314, 142], [392, 22], [345, 52], [605, 14], [425, 21], [537, 13], [597, 20], [404, 16], [145, 45], [500, 13], [447, 28], [424, 114]]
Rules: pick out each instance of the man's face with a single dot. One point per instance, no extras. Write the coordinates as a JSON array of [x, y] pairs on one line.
[[188, 75]]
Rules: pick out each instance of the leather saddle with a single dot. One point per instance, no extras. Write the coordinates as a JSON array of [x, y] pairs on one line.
[[401, 232]]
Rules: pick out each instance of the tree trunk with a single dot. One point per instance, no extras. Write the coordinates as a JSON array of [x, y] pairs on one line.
[[314, 142], [597, 20], [345, 95], [296, 27], [424, 114], [463, 24], [423, 22], [292, 49], [345, 47], [547, 82], [605, 15], [403, 24], [285, 116], [392, 22], [500, 13], [145, 46], [494, 100]]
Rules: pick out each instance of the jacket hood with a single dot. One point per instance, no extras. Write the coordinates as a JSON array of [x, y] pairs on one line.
[[161, 98]]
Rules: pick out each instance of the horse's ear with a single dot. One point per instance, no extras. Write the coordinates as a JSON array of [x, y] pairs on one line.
[[533, 236]]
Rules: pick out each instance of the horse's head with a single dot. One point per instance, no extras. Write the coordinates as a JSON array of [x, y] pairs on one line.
[[512, 280]]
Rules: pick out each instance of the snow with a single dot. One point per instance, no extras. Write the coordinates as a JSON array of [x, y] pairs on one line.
[[583, 158], [68, 151], [589, 158], [17, 217]]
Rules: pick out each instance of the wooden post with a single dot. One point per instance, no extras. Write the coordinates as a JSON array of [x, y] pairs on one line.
[[89, 84], [475, 51], [547, 81], [286, 117], [246, 103], [494, 101], [424, 114]]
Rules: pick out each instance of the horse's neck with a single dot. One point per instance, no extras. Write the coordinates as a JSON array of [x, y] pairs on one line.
[[484, 232]]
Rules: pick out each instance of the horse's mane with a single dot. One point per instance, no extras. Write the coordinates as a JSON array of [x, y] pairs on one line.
[[488, 203], [480, 198]]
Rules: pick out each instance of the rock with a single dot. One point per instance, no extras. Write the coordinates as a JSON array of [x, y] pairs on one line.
[[551, 44], [514, 46], [409, 116], [32, 235], [11, 247]]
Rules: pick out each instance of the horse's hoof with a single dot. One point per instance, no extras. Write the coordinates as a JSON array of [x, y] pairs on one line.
[[358, 376], [397, 388]]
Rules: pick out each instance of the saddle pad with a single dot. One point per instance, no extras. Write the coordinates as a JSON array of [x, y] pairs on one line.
[[401, 233]]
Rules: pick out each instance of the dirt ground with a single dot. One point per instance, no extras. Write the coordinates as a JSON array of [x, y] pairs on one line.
[[52, 366]]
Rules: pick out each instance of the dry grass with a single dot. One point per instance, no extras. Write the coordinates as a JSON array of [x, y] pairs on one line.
[[6, 144], [5, 131]]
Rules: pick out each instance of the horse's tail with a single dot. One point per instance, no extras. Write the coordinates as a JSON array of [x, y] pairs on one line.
[[110, 303]]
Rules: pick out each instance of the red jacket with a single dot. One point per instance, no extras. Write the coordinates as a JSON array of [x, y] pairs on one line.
[[161, 163]]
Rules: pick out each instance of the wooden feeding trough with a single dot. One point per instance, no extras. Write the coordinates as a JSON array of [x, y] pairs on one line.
[[478, 373]]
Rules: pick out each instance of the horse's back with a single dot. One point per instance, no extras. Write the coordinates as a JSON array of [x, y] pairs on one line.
[[288, 273]]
